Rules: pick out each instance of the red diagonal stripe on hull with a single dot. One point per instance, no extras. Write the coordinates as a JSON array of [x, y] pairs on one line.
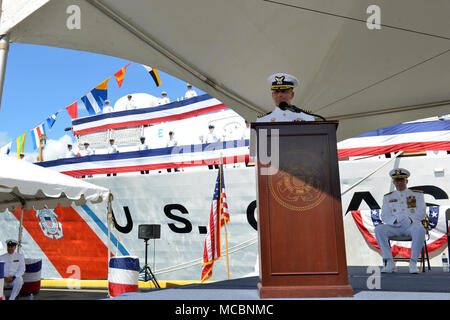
[[79, 246]]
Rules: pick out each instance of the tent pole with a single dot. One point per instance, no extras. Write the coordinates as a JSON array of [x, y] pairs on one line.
[[19, 238], [109, 219], [4, 49]]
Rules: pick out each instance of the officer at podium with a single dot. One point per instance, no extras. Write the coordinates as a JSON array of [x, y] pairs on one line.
[[282, 86]]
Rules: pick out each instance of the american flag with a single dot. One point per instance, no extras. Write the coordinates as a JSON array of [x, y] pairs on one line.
[[49, 221], [219, 217]]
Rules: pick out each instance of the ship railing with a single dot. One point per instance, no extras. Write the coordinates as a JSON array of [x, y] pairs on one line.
[[199, 261]]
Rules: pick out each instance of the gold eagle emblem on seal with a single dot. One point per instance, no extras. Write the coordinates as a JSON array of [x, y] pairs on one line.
[[299, 184]]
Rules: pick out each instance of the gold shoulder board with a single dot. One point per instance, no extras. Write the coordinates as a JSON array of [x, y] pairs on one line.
[[264, 114]]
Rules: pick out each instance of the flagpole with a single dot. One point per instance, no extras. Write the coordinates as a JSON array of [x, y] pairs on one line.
[[221, 209], [4, 49], [226, 247], [41, 142], [19, 240]]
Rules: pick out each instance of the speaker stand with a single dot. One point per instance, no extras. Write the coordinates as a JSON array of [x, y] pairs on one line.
[[148, 274]]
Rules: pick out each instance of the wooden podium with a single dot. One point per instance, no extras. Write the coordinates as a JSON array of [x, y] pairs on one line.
[[300, 226]]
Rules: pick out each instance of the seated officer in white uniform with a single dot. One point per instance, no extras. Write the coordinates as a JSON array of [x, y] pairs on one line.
[[282, 86], [14, 268], [402, 213]]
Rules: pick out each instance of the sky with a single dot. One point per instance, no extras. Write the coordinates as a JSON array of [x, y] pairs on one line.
[[41, 81]]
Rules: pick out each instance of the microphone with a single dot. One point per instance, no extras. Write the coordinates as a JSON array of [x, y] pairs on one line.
[[283, 106]]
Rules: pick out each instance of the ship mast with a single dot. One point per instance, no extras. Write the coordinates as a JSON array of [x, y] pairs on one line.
[[41, 146]]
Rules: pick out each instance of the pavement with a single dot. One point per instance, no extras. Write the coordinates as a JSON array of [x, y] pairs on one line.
[[367, 283]]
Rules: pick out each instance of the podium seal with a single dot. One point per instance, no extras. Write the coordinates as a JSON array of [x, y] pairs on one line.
[[299, 183]]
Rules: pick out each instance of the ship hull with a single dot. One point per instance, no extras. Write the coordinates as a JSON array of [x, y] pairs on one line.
[[73, 242]]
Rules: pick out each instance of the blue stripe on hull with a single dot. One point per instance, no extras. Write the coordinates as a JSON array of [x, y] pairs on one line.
[[102, 226]]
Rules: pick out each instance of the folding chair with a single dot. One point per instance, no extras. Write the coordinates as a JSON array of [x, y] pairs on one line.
[[423, 254]]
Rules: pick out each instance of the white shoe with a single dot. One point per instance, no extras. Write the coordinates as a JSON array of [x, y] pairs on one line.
[[413, 267], [389, 267]]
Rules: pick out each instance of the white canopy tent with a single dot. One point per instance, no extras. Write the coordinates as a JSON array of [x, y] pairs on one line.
[[365, 78], [26, 185]]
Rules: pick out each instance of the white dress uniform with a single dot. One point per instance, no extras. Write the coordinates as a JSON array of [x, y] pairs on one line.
[[71, 154], [164, 100], [171, 143], [211, 138], [278, 115], [108, 109], [190, 93], [402, 214], [14, 266], [130, 105], [245, 134], [87, 152], [143, 146], [112, 148], [284, 81]]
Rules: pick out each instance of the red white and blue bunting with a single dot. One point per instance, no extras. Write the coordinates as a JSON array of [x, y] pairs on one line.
[[123, 275], [233, 151], [367, 220], [174, 111], [407, 137]]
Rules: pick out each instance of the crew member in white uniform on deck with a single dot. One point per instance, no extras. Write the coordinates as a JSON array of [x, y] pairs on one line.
[[87, 151], [211, 137], [107, 108], [164, 99], [143, 145], [172, 142], [190, 92], [246, 131], [282, 86], [112, 147], [130, 103], [14, 268], [70, 153], [402, 213]]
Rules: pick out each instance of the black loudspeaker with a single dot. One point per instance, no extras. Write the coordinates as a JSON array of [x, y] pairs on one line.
[[149, 231]]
